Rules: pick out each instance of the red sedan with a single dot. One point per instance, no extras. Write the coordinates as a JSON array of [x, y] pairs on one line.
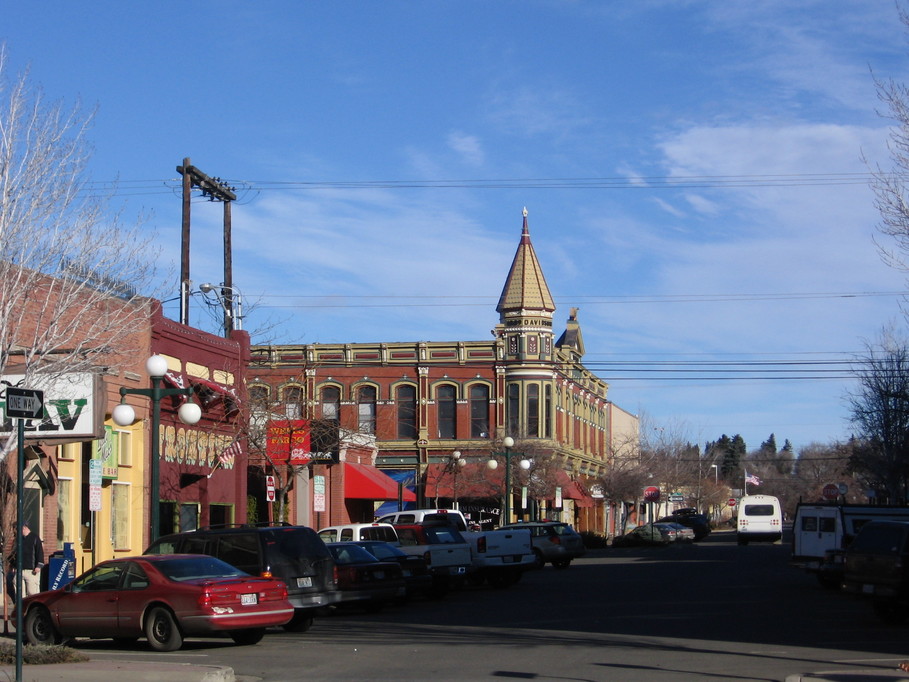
[[163, 598]]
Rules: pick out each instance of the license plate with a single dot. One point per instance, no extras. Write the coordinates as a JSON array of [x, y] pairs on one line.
[[508, 559], [868, 589], [249, 599], [304, 582], [380, 575], [406, 573]]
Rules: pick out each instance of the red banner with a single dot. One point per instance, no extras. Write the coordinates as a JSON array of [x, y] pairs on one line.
[[287, 442]]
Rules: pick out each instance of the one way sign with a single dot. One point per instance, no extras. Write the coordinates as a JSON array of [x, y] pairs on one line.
[[24, 403]]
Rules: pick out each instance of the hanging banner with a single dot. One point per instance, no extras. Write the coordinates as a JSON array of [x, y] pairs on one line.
[[287, 442]]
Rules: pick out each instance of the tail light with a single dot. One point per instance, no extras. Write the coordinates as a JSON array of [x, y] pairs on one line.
[[555, 539], [427, 557], [481, 543], [266, 574]]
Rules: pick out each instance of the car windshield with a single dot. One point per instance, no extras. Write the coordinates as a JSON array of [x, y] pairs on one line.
[[294, 551], [443, 535], [563, 529], [350, 554], [181, 569]]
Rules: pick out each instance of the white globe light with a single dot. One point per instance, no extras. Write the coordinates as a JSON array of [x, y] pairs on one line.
[[462, 463], [156, 366], [456, 454], [524, 464], [508, 442], [123, 415], [190, 413], [492, 464]]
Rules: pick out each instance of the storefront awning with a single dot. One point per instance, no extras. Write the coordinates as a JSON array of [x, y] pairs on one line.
[[365, 482]]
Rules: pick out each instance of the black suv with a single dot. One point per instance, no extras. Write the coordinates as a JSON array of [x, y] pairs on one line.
[[295, 554], [877, 565]]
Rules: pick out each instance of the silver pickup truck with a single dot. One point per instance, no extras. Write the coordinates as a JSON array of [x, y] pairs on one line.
[[500, 557]]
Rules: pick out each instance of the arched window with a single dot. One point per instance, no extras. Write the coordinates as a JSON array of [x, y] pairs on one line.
[[446, 402], [258, 399], [293, 402], [366, 409], [331, 404], [406, 402], [533, 410], [479, 411]]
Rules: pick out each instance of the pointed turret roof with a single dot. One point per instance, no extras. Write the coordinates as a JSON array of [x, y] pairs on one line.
[[525, 288]]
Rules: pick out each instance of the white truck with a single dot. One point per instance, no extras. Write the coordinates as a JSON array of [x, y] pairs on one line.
[[498, 557], [822, 531]]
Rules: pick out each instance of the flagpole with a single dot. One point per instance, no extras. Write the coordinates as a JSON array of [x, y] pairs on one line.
[[214, 468]]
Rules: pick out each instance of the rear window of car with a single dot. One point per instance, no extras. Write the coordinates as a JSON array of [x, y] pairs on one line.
[[196, 568], [878, 540], [443, 535], [758, 510], [381, 533]]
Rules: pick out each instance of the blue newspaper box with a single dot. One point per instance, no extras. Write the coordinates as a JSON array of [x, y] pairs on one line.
[[61, 567]]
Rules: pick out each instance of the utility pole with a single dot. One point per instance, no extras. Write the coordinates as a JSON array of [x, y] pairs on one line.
[[216, 190]]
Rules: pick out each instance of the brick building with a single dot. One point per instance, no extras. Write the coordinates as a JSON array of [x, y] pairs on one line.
[[427, 417]]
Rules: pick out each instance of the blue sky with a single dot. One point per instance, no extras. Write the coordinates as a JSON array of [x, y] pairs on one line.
[[685, 166]]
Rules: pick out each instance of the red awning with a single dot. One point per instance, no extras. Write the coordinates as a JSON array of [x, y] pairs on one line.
[[365, 482], [221, 389]]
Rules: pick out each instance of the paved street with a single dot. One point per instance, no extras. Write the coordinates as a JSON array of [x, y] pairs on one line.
[[709, 611]]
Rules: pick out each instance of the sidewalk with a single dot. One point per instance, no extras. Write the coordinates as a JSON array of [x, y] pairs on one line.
[[133, 671]]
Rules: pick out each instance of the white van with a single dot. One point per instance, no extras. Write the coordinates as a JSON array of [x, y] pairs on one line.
[[759, 518], [360, 531]]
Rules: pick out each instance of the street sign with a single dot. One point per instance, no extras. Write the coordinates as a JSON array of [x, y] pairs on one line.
[[831, 491], [24, 403], [731, 501], [652, 494]]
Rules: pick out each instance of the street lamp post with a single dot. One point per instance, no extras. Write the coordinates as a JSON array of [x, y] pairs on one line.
[[508, 442], [716, 474], [124, 415], [456, 463]]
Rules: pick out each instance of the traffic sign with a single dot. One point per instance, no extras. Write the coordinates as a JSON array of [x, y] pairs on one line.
[[731, 501], [652, 494], [24, 403], [831, 491]]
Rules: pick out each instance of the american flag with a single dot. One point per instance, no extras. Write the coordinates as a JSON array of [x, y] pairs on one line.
[[752, 479], [228, 455]]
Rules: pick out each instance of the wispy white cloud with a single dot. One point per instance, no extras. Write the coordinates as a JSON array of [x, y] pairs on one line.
[[468, 147]]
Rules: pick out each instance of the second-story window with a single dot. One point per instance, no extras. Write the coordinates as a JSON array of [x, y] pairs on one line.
[[479, 411], [533, 410], [406, 403], [446, 402], [513, 409], [293, 402], [331, 403], [366, 409]]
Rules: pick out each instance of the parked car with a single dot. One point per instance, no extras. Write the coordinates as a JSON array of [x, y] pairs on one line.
[[417, 578], [647, 535], [295, 554], [553, 542], [670, 533], [877, 566], [443, 548], [426, 516], [363, 579], [690, 517], [682, 533], [352, 532], [163, 598]]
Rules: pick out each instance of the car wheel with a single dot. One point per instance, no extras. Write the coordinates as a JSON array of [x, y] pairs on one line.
[[39, 628], [247, 637], [162, 631], [561, 563], [301, 622], [539, 561], [891, 613]]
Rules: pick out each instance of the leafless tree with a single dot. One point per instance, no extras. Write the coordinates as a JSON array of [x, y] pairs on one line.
[[71, 271]]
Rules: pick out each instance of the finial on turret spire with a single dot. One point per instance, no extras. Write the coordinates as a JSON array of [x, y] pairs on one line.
[[525, 211]]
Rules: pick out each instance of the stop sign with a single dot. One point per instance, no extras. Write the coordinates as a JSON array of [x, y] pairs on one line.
[[731, 501], [652, 494], [831, 491]]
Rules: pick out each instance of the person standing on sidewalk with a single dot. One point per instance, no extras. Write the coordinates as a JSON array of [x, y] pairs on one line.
[[32, 561]]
